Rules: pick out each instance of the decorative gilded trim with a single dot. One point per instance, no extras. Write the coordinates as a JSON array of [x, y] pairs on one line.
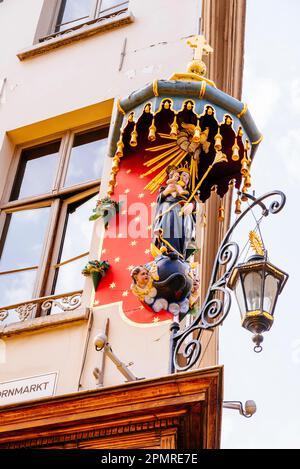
[[202, 90], [259, 313], [120, 108], [243, 111], [155, 88], [258, 141], [191, 77]]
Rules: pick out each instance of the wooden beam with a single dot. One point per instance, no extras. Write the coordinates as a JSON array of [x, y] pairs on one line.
[[176, 411]]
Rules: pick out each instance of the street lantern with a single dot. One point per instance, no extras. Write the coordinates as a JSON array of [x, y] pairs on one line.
[[257, 284]]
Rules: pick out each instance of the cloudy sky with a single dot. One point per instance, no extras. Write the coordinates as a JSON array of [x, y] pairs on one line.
[[272, 378]]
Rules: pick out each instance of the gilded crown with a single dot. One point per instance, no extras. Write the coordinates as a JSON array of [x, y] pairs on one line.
[[184, 168]]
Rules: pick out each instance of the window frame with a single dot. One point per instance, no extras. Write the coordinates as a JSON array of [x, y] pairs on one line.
[[59, 199], [86, 18], [40, 268], [60, 232], [50, 12]]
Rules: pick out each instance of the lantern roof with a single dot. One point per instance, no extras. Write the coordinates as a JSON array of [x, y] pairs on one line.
[[256, 264]]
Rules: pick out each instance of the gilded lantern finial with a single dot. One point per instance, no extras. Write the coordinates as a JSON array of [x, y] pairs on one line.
[[256, 243]]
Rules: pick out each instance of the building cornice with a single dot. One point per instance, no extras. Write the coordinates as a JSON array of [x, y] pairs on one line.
[[153, 408]]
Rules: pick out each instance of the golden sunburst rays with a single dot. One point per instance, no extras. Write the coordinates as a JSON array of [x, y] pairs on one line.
[[162, 156], [168, 136], [162, 147], [171, 154], [174, 158], [166, 161]]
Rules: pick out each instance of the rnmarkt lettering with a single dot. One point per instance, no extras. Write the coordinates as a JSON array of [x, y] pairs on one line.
[[20, 390]]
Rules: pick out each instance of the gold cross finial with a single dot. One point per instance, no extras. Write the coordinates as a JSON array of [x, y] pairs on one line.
[[200, 44], [201, 47], [196, 68]]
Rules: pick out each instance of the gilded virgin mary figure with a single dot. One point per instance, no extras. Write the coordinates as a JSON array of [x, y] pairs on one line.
[[174, 221]]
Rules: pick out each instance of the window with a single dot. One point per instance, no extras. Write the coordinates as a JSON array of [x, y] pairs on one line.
[[75, 12], [72, 13], [45, 235], [67, 15]]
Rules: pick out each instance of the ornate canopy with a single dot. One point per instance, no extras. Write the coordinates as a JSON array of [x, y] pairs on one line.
[[187, 121]]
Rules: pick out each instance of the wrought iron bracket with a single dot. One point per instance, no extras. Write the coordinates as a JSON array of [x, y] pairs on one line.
[[217, 303]]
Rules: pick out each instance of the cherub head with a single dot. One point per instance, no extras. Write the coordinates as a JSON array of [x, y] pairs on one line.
[[140, 276]]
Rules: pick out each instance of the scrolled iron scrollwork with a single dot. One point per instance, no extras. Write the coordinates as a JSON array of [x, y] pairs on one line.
[[3, 315], [277, 205], [217, 303], [66, 303], [24, 311], [215, 310], [191, 352]]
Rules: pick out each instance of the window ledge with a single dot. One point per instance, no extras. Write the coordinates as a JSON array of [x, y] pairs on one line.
[[56, 320], [68, 37]]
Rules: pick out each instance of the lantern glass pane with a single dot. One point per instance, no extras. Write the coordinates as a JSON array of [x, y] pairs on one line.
[[253, 290], [240, 298], [270, 293]]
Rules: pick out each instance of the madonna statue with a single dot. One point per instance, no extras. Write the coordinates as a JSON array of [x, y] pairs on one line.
[[174, 222]]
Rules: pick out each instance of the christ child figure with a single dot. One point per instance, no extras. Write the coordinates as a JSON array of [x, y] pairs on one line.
[[176, 181]]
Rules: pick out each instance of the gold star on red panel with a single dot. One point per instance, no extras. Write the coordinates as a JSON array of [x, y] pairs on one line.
[[130, 267], [125, 293], [155, 319], [140, 196], [112, 285], [133, 243], [126, 191], [147, 251], [117, 259]]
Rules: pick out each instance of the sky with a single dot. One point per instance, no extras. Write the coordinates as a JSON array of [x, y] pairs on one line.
[[271, 88]]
